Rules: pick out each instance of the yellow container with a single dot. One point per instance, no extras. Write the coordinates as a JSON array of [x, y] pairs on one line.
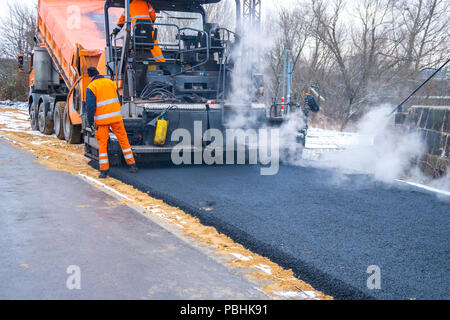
[[161, 132]]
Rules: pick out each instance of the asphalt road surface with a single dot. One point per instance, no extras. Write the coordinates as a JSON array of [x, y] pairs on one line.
[[51, 220], [327, 230]]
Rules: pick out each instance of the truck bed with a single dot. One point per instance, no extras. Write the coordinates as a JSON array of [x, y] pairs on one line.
[[63, 24]]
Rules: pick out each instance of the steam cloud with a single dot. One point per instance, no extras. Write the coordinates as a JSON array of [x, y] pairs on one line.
[[248, 58], [380, 149]]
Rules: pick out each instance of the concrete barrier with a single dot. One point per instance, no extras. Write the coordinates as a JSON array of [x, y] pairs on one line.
[[433, 124]]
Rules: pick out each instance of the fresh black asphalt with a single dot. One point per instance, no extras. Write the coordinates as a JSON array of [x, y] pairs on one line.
[[327, 229]]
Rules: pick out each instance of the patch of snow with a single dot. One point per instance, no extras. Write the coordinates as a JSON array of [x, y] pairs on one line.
[[290, 294], [10, 122], [38, 142], [327, 139], [14, 105], [263, 268], [34, 133], [296, 294], [241, 257], [7, 139], [162, 216]]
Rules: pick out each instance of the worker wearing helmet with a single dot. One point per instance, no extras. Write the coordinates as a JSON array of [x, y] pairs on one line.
[[103, 107], [141, 10]]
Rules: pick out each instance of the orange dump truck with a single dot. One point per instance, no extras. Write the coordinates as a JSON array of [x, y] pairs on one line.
[[188, 90], [70, 38]]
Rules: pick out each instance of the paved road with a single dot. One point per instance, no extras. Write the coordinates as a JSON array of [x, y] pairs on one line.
[[328, 232], [50, 220]]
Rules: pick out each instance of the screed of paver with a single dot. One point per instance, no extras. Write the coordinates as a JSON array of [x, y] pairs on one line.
[[59, 155]]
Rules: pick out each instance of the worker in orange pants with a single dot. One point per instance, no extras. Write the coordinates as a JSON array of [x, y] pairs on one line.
[[103, 107]]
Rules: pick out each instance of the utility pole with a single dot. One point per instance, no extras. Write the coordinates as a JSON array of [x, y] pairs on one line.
[[287, 82]]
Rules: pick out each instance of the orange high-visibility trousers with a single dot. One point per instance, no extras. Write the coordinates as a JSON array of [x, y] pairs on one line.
[[157, 52], [102, 135]]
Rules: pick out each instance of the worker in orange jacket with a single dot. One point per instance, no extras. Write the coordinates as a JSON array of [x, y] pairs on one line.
[[103, 107], [141, 10]]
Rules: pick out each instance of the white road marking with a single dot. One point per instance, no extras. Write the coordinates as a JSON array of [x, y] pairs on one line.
[[104, 186]]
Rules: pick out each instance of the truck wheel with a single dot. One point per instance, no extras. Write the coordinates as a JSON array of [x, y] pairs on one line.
[[72, 133], [58, 119], [33, 117], [44, 123]]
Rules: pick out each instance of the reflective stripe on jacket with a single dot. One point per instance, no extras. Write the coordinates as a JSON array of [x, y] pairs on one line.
[[107, 101]]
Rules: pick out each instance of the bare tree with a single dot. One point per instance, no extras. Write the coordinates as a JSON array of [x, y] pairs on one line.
[[356, 48], [423, 32], [290, 29], [222, 13], [359, 53], [18, 28]]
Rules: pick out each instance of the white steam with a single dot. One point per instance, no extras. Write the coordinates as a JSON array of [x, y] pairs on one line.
[[380, 149], [290, 146], [248, 58]]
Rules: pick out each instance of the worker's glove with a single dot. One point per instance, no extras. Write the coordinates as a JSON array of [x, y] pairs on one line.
[[93, 128], [115, 31]]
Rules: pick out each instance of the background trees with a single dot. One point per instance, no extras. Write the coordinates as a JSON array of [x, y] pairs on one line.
[[360, 53], [17, 30]]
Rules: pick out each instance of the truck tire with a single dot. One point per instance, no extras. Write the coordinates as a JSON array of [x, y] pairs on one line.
[[58, 119], [44, 123], [33, 117], [72, 133]]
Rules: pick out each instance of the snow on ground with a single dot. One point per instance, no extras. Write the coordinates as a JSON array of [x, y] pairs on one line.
[[328, 139], [14, 105], [16, 121], [293, 294], [322, 141], [8, 119]]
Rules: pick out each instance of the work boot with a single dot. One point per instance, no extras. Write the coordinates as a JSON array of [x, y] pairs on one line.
[[133, 168], [103, 174]]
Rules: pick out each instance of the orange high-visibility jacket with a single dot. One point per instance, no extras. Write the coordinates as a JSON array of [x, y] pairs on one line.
[[139, 9], [107, 101]]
